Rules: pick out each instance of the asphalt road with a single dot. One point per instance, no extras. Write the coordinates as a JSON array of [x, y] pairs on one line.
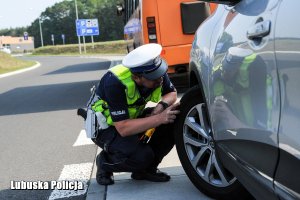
[[41, 137], [39, 126]]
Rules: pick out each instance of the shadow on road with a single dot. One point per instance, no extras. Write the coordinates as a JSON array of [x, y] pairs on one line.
[[104, 65], [45, 98]]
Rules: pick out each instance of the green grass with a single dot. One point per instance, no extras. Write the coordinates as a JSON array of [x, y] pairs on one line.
[[9, 63], [110, 47]]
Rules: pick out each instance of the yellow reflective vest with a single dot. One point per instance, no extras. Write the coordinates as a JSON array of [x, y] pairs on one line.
[[132, 95]]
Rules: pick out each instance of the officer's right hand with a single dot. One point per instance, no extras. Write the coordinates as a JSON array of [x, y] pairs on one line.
[[169, 114]]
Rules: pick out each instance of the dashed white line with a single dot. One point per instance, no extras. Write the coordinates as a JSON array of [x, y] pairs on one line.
[[82, 139], [78, 173]]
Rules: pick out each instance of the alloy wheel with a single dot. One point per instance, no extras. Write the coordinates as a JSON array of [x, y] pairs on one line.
[[200, 148]]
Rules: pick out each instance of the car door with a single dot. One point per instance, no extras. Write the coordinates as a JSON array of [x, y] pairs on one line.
[[287, 45], [244, 95]]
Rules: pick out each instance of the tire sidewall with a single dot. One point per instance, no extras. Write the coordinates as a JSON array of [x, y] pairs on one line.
[[191, 98]]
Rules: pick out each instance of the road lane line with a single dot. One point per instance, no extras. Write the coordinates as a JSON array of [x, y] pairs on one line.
[[82, 139], [79, 173]]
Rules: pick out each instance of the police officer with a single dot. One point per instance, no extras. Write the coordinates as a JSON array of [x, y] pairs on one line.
[[124, 91]]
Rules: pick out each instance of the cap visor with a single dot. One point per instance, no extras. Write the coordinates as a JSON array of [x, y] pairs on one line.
[[159, 72]]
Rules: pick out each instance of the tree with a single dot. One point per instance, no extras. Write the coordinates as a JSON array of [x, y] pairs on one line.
[[60, 19], [57, 20], [111, 26], [17, 32]]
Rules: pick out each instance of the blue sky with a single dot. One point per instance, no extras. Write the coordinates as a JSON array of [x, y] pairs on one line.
[[18, 13]]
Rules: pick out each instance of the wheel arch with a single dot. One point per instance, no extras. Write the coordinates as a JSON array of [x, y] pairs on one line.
[[195, 80]]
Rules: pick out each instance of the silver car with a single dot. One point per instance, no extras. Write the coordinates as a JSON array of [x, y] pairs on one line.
[[239, 122]]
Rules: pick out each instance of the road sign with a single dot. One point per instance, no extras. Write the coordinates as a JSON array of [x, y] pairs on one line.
[[87, 27], [25, 36]]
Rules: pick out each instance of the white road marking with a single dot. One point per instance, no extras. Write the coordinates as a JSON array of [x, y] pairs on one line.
[[82, 139], [71, 173]]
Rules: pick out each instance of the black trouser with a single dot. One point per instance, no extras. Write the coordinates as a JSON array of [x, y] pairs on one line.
[[128, 154]]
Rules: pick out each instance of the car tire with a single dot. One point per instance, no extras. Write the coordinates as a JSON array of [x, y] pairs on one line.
[[195, 147]]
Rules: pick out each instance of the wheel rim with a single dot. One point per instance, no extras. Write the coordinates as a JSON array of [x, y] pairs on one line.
[[200, 148]]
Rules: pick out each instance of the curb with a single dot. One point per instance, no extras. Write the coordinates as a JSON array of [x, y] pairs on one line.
[[21, 70], [95, 191]]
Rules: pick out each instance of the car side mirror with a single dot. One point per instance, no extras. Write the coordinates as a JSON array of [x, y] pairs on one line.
[[226, 2]]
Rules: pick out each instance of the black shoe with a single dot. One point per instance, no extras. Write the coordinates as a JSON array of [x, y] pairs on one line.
[[156, 176], [103, 177]]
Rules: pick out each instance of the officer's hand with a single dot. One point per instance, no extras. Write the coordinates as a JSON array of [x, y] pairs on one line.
[[158, 109], [169, 114]]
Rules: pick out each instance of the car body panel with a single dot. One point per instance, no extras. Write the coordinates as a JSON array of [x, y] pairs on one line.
[[242, 118], [244, 101], [200, 53], [287, 45]]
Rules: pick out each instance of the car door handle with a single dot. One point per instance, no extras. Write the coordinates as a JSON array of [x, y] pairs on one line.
[[259, 30]]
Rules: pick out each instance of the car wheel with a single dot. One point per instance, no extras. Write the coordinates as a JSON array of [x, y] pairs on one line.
[[196, 149]]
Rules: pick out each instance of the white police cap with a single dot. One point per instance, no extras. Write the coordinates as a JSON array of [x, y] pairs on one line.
[[234, 57], [146, 60]]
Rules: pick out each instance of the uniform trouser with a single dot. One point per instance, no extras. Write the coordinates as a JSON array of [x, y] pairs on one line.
[[129, 154]]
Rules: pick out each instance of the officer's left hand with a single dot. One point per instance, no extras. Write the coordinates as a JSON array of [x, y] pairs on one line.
[[158, 109], [169, 114]]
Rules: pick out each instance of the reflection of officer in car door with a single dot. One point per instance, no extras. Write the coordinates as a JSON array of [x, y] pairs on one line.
[[123, 93], [233, 78]]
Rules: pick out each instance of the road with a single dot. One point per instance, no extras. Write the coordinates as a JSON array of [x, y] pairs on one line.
[[41, 140], [39, 125]]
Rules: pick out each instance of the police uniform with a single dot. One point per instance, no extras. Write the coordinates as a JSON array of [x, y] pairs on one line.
[[122, 99]]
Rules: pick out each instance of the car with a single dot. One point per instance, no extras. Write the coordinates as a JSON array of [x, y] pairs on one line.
[[5, 50], [237, 132]]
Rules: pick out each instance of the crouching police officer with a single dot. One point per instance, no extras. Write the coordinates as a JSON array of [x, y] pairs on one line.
[[124, 91]]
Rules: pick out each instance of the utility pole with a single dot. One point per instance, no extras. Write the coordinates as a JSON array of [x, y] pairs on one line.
[[41, 32], [79, 45]]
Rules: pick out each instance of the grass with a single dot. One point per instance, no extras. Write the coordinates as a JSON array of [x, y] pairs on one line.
[[9, 63], [109, 47]]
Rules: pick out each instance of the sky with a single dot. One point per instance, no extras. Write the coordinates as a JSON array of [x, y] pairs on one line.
[[20, 13]]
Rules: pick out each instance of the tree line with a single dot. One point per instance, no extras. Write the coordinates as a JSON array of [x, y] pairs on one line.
[[59, 20]]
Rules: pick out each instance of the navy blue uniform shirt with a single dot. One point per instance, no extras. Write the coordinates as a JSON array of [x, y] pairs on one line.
[[111, 90]]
